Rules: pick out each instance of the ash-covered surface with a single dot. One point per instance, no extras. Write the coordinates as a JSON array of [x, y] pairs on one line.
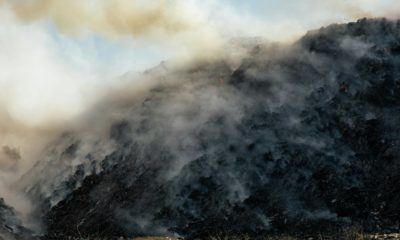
[[298, 139]]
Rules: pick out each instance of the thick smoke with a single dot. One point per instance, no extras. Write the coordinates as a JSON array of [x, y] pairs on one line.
[[176, 25], [203, 143], [114, 17], [56, 132]]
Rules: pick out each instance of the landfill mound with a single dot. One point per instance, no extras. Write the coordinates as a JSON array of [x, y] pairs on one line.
[[298, 139]]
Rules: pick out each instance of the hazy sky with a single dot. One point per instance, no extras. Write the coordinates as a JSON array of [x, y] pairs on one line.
[[55, 57], [272, 19]]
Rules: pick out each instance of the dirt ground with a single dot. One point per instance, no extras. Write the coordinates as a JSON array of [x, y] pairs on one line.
[[359, 237]]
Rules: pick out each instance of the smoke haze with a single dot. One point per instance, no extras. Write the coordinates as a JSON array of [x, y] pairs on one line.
[[48, 104]]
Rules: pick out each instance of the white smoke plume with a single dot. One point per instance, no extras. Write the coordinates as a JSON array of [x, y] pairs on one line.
[[42, 97], [113, 17]]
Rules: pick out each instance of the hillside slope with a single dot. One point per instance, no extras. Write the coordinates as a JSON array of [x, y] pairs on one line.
[[297, 139]]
